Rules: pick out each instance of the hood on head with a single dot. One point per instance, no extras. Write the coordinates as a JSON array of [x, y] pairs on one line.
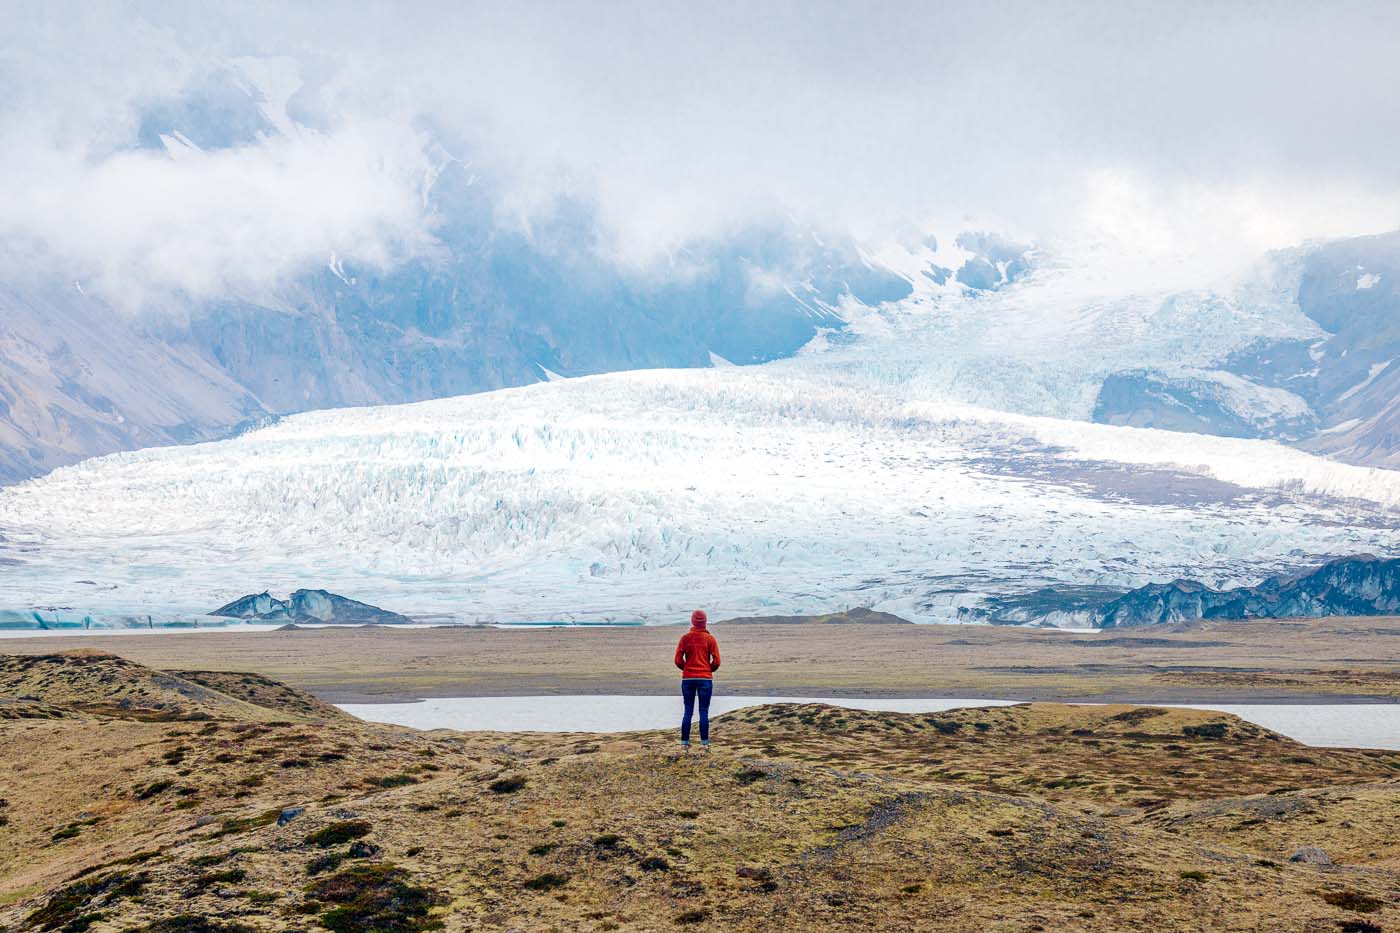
[[698, 619]]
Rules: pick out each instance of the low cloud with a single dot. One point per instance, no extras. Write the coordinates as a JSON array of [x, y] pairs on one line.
[[137, 224], [1198, 132]]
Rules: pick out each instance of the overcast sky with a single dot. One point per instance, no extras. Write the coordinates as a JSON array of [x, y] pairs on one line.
[[1217, 129]]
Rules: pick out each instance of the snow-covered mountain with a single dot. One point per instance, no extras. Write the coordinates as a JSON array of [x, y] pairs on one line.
[[821, 482]]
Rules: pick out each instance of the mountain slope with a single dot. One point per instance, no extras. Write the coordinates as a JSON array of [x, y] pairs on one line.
[[1333, 391], [1352, 288], [82, 378], [78, 378]]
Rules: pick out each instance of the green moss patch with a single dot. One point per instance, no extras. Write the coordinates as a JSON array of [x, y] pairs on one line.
[[1354, 900], [1206, 730], [229, 876], [546, 882], [377, 898], [194, 923], [324, 863], [68, 905], [334, 834], [150, 790], [507, 785], [245, 823]]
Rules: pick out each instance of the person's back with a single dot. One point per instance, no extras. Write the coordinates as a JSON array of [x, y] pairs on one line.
[[697, 656]]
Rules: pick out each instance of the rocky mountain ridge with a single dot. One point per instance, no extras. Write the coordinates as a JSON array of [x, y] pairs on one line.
[[309, 607], [1362, 585]]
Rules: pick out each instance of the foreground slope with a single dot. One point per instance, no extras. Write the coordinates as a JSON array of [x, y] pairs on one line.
[[804, 817], [797, 487]]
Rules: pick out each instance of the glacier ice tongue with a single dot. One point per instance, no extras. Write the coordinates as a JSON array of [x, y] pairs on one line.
[[811, 484]]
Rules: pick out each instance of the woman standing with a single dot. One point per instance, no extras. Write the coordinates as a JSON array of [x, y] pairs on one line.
[[697, 656]]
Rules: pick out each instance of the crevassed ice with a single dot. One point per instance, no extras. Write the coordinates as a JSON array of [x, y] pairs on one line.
[[798, 486]]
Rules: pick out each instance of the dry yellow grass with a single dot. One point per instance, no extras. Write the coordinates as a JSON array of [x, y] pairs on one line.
[[1041, 816]]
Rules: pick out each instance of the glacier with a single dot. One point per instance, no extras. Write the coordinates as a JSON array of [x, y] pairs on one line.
[[868, 470]]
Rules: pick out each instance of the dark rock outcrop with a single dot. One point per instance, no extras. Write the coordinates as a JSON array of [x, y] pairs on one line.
[[309, 607], [1350, 586], [1058, 606], [1202, 403]]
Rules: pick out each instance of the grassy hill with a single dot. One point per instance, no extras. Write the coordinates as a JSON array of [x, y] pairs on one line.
[[144, 800]]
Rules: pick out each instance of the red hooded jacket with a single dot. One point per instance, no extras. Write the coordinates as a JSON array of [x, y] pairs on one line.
[[697, 655]]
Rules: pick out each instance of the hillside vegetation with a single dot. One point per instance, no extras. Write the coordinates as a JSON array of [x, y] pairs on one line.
[[143, 800]]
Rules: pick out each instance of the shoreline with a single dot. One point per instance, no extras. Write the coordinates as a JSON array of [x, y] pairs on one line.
[[1374, 726], [340, 696]]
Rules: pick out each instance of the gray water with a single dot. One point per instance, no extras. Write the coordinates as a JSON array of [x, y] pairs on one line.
[[1372, 725]]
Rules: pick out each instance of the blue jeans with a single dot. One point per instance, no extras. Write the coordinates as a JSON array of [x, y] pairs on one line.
[[692, 687]]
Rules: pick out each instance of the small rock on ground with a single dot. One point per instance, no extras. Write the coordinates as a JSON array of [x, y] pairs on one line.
[[1311, 855]]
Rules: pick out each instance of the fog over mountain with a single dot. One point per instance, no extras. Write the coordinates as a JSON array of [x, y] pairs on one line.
[[1235, 130]]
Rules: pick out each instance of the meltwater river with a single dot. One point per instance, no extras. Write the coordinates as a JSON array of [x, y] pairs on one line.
[[1350, 725]]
